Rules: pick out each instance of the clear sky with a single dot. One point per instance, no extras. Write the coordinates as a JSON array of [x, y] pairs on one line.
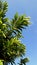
[[28, 7]]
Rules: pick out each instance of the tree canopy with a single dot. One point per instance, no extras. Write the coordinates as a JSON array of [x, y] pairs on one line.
[[10, 33]]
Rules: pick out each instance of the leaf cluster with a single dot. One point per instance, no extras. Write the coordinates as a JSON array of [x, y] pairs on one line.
[[10, 33]]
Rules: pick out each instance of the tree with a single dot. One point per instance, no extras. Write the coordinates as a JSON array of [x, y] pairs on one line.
[[10, 33]]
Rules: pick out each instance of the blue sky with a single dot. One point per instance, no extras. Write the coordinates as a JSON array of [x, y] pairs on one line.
[[28, 7]]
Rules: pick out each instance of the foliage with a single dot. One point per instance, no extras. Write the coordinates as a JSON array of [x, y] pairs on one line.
[[1, 62], [24, 61], [10, 33]]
